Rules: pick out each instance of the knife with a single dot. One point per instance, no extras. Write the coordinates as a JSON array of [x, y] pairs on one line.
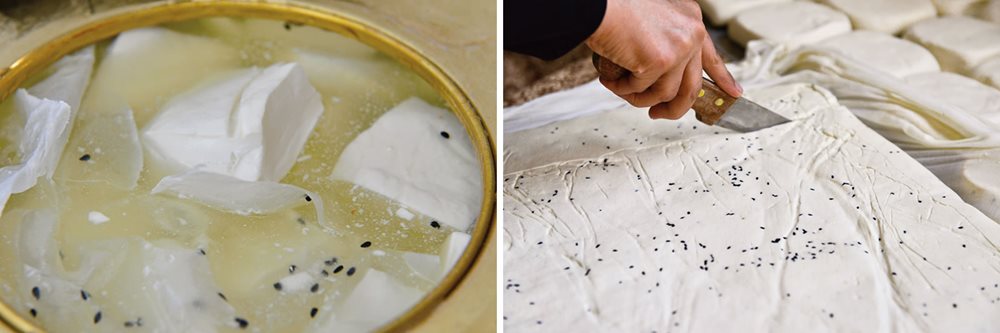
[[713, 105]]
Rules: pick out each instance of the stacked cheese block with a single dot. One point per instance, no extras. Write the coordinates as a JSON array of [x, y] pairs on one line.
[[902, 37]]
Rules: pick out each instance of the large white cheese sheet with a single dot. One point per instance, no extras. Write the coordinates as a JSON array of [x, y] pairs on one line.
[[818, 223]]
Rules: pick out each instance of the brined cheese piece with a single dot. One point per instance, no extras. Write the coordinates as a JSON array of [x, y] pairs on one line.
[[67, 78], [156, 64], [452, 250], [420, 156], [104, 148], [235, 195], [376, 300], [251, 125], [42, 140]]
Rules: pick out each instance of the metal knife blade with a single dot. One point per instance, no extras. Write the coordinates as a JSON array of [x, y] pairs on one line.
[[746, 116], [713, 105]]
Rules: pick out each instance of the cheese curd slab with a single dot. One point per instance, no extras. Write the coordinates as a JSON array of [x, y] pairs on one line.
[[793, 23], [896, 56], [888, 16], [421, 156], [720, 12], [960, 43]]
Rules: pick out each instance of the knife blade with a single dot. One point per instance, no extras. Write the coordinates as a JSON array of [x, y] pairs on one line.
[[713, 106]]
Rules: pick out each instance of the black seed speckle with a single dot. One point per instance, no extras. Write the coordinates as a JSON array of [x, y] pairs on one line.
[[97, 317], [366, 244], [277, 286], [435, 225], [308, 198], [445, 135], [314, 288], [312, 313], [291, 268], [242, 322], [36, 292], [34, 313], [338, 269], [85, 157], [84, 295], [350, 271], [223, 297]]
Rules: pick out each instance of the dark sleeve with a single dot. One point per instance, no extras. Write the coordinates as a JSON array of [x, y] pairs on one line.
[[549, 28]]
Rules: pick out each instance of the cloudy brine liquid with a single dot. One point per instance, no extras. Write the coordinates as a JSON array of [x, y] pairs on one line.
[[247, 256]]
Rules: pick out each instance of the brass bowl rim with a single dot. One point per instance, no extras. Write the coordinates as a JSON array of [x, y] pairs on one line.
[[113, 22]]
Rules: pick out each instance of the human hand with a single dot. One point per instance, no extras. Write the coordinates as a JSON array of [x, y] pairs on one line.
[[665, 46]]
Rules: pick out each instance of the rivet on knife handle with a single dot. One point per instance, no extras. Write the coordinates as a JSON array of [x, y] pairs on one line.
[[710, 104]]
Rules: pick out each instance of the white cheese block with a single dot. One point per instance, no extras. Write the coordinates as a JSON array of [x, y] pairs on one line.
[[237, 196], [898, 57], [967, 94], [104, 147], [161, 63], [45, 127], [720, 12], [959, 43], [251, 126], [376, 300], [420, 156], [67, 79], [452, 250], [792, 23], [888, 16], [988, 72]]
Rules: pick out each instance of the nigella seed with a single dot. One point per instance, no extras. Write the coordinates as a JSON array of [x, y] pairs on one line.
[[34, 313], [314, 288], [312, 313], [445, 135], [366, 244], [223, 297], [84, 294], [308, 198], [338, 269], [36, 292], [330, 261], [97, 317], [129, 324], [277, 286], [435, 225], [85, 157], [291, 269], [202, 251], [242, 322], [350, 271]]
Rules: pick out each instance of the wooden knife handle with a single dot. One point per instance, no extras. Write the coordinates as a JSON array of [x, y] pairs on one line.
[[712, 102]]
